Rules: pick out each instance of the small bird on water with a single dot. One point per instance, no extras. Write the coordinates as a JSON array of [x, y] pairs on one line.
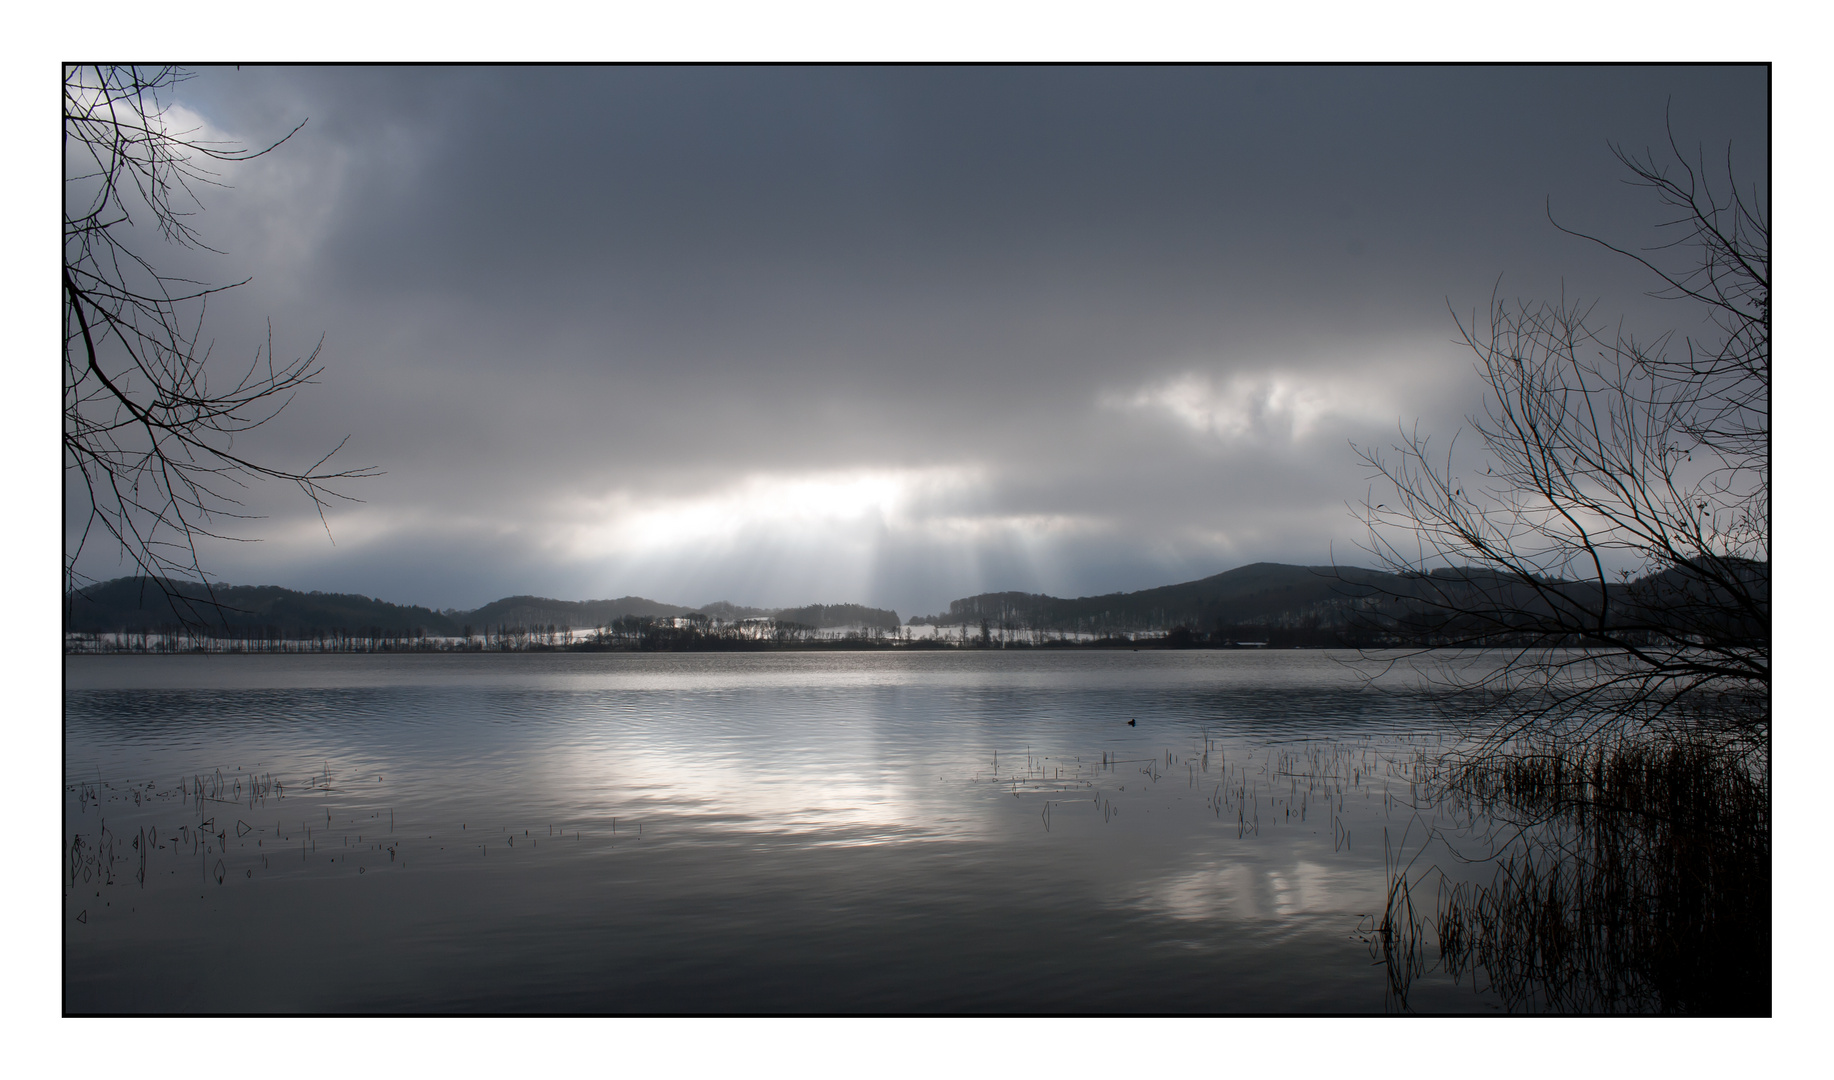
[[1130, 723]]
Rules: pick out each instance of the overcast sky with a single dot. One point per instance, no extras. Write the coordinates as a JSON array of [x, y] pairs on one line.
[[892, 336]]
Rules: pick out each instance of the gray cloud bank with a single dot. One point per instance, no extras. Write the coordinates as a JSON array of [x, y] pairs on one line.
[[892, 336]]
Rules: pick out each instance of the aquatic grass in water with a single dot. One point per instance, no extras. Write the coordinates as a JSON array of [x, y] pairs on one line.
[[1633, 877]]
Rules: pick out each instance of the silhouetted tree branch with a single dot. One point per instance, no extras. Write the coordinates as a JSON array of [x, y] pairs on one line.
[[1617, 540], [147, 429]]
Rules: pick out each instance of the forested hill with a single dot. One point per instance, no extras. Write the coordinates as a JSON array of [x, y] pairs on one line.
[[1272, 601], [1335, 603], [824, 616], [1264, 594], [136, 604], [1261, 594], [541, 611]]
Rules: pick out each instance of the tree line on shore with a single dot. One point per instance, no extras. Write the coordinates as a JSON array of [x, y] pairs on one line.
[[1263, 605], [168, 615], [640, 633]]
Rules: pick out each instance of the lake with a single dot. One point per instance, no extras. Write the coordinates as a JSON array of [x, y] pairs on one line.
[[767, 832]]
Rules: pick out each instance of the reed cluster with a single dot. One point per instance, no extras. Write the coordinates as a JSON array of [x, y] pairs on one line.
[[1629, 877]]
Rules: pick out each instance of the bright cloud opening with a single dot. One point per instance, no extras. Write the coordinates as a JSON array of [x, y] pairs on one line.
[[1257, 404], [826, 505]]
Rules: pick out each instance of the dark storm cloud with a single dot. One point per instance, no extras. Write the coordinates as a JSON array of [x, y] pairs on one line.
[[895, 335]]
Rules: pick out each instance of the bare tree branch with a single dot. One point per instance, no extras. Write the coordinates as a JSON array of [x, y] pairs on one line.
[[1617, 542], [148, 435]]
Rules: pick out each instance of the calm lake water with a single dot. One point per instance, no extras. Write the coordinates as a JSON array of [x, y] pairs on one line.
[[802, 832]]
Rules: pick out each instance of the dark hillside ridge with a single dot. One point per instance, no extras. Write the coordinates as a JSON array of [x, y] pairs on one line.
[[583, 614], [1318, 605], [138, 604], [541, 611], [720, 609], [825, 616], [1726, 602], [1260, 594]]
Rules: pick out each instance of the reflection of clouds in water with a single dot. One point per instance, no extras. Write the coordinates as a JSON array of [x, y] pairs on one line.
[[828, 794], [1252, 890]]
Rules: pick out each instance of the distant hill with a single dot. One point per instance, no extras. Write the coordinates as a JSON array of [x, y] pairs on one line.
[[824, 616], [720, 609], [1322, 604], [541, 611], [1281, 604], [1261, 594], [138, 604]]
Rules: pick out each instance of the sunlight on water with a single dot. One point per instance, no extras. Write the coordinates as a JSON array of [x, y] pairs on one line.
[[798, 831]]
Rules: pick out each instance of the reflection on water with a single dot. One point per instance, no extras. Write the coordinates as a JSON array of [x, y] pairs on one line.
[[762, 832]]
